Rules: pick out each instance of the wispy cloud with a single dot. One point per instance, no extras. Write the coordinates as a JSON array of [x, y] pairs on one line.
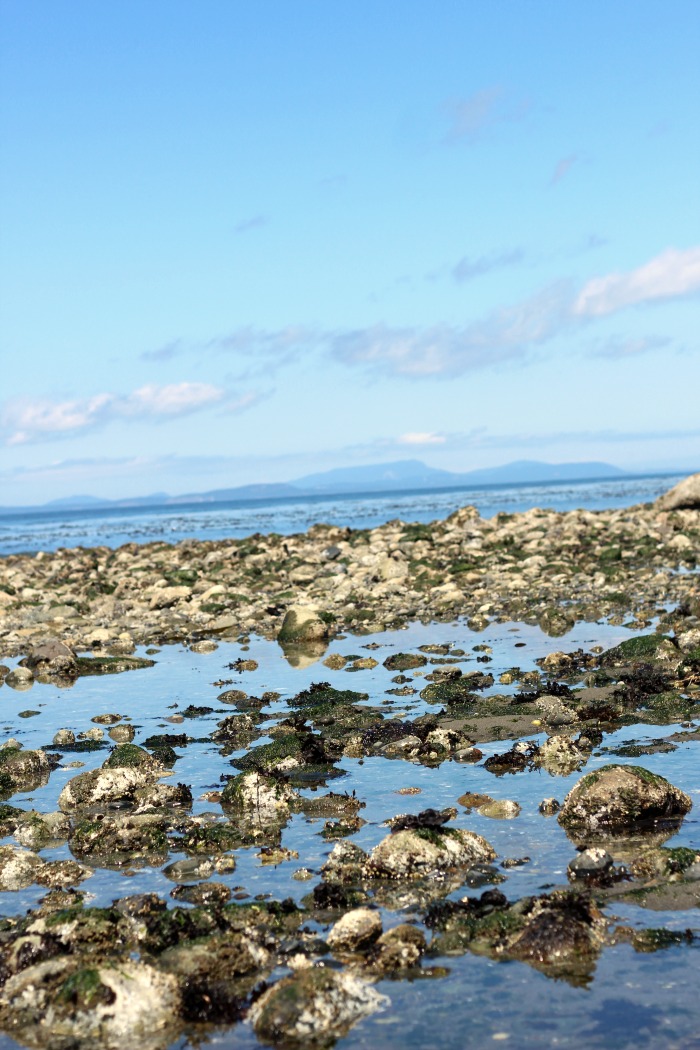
[[26, 420], [509, 333], [470, 116], [467, 268], [448, 350], [420, 438], [563, 168], [255, 222], [670, 275], [617, 346]]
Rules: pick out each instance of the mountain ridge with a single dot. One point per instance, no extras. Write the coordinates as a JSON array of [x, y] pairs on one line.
[[398, 475]]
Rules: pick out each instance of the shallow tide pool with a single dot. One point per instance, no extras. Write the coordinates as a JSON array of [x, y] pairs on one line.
[[631, 999]]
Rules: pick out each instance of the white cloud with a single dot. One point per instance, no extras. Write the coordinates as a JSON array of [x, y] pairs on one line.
[[669, 275], [421, 439], [33, 420], [450, 350]]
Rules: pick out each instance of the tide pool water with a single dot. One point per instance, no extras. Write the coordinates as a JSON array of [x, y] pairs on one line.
[[630, 999]]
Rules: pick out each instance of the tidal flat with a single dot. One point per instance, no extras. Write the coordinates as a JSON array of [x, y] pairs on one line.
[[428, 785]]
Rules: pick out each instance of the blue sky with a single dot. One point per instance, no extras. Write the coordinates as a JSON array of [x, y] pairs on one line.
[[247, 241]]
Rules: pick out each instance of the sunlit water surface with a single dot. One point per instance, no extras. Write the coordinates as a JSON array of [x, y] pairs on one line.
[[634, 1000]]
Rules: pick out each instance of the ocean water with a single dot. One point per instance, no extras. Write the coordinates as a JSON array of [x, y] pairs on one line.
[[113, 527], [631, 1000]]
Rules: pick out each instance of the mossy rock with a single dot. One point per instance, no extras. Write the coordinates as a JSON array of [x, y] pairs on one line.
[[619, 798], [210, 838], [130, 756], [93, 665], [404, 661], [648, 648], [452, 691], [323, 693]]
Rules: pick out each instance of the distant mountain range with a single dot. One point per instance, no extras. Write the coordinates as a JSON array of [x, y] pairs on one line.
[[404, 474]]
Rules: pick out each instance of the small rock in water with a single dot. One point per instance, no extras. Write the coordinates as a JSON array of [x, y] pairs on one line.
[[64, 736], [549, 806], [590, 863], [356, 930]]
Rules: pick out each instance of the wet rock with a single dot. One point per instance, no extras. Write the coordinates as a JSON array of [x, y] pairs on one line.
[[107, 719], [619, 798], [59, 874], [355, 931], [346, 863], [554, 712], [590, 864], [20, 678], [560, 756], [645, 648], [520, 757], [235, 728], [190, 869], [400, 948], [686, 494], [404, 661], [549, 806], [303, 623], [202, 893], [130, 756], [259, 796], [18, 868], [64, 736], [121, 839], [22, 770], [313, 1007], [427, 851], [97, 665], [63, 1003], [52, 658], [122, 734], [100, 787], [500, 809], [41, 830]]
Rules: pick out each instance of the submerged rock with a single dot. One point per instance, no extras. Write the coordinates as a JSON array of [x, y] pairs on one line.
[[62, 1003], [619, 798], [313, 1007], [22, 770], [428, 851], [100, 787], [356, 930], [18, 868]]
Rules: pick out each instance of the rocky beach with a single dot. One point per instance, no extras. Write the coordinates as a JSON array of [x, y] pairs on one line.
[[357, 757]]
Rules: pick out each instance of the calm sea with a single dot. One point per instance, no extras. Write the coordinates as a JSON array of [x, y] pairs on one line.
[[112, 527]]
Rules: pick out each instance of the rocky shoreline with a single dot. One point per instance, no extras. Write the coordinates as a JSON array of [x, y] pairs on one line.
[[302, 974], [541, 566]]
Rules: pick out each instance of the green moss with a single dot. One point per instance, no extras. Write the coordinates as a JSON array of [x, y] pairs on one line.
[[456, 691], [92, 665], [211, 838], [436, 836], [128, 755], [181, 577], [404, 661], [644, 647], [679, 858], [322, 693], [85, 990]]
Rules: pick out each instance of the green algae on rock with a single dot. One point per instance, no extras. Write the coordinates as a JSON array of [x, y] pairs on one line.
[[619, 798]]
